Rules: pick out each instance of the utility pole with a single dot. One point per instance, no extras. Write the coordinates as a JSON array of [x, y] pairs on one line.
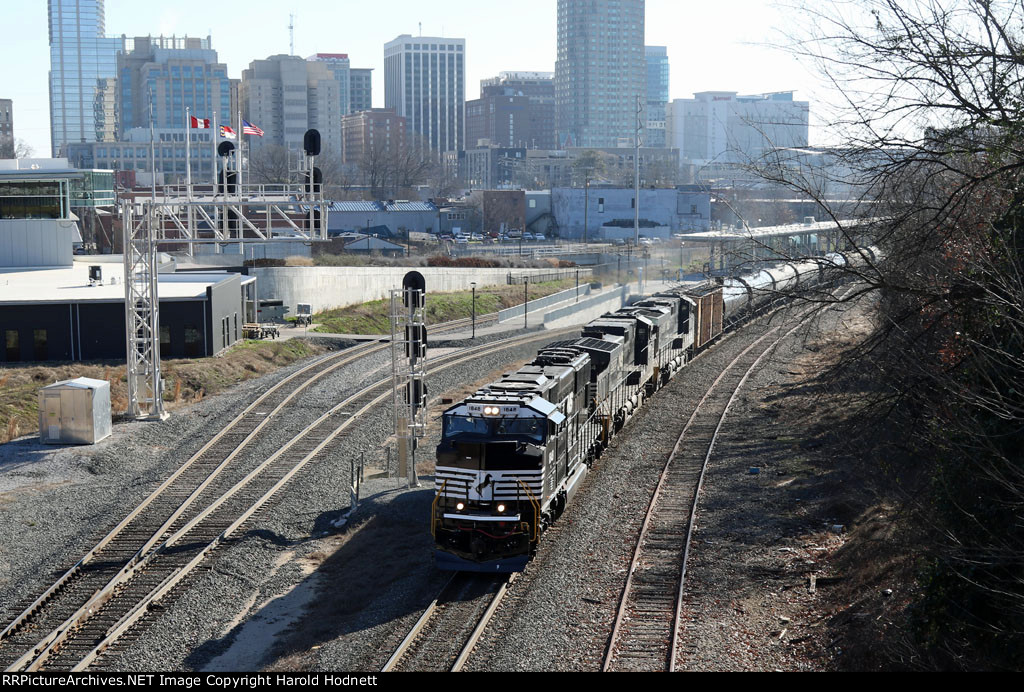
[[636, 160], [473, 284]]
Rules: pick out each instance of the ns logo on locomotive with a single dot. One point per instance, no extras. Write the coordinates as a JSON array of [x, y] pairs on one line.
[[513, 454]]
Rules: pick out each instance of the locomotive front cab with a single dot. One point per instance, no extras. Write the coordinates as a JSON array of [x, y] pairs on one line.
[[489, 486]]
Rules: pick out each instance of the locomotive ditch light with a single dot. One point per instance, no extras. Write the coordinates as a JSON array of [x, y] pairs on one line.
[[501, 509], [460, 506]]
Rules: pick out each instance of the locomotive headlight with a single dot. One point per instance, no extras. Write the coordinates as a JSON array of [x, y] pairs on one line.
[[501, 509], [460, 506], [491, 410]]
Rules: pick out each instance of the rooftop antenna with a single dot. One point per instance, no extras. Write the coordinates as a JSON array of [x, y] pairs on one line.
[[291, 34], [421, 29]]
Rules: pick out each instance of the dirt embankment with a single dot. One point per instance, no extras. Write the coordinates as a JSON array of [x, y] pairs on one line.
[[187, 381], [803, 559]]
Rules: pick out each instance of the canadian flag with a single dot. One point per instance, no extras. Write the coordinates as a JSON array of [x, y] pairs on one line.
[[200, 124]]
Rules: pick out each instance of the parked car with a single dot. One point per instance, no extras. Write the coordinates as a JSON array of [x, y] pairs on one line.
[[478, 237], [620, 242], [528, 236], [540, 238]]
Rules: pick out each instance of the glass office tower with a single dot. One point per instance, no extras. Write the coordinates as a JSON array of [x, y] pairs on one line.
[[80, 55], [657, 95], [599, 72]]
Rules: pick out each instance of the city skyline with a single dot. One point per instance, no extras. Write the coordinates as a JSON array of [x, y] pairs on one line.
[[496, 42]]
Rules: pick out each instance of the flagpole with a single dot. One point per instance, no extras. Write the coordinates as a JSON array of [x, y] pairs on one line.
[[241, 145], [214, 139], [188, 151], [188, 176]]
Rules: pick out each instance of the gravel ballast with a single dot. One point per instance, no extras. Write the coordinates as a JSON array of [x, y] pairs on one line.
[[294, 593]]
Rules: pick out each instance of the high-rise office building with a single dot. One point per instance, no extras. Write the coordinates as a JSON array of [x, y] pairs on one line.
[[341, 67], [285, 95], [360, 89], [515, 109], [599, 72], [176, 72], [354, 84], [105, 110], [376, 133], [657, 95], [79, 56], [425, 82], [722, 127], [6, 128]]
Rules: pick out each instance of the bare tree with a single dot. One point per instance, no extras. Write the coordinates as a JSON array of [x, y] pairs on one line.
[[590, 165], [15, 149], [269, 165], [932, 132]]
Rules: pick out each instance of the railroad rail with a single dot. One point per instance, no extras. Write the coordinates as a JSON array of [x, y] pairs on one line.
[[134, 536], [173, 550], [645, 636], [441, 639]]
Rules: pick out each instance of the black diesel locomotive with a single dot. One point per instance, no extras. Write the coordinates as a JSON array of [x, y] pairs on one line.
[[514, 453]]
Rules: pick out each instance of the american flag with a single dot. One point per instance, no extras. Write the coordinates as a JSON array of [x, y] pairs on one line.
[[249, 129]]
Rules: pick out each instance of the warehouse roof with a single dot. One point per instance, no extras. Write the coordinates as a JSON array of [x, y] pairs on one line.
[[28, 285]]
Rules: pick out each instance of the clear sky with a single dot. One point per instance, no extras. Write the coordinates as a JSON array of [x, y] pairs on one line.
[[720, 45]]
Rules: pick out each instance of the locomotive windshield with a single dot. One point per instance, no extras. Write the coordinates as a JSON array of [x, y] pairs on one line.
[[531, 428]]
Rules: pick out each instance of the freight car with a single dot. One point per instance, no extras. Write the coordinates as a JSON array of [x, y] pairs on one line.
[[513, 455]]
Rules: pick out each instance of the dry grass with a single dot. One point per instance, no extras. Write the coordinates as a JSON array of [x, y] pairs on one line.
[[298, 261], [189, 381]]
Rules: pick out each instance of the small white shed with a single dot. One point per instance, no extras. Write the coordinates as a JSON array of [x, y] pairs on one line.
[[74, 412]]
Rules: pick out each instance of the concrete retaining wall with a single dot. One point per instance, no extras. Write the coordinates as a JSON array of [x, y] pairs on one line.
[[587, 310], [326, 288], [534, 305]]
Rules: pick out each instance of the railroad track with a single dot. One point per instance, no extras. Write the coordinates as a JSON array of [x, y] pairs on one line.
[[168, 505], [645, 634], [646, 629], [138, 533], [84, 622], [447, 632]]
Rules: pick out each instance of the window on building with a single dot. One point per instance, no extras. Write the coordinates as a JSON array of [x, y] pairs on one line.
[[600, 205], [12, 345], [193, 342], [165, 339], [39, 350]]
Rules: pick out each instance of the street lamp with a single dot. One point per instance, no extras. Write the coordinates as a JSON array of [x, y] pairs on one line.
[[526, 302], [473, 284], [586, 207]]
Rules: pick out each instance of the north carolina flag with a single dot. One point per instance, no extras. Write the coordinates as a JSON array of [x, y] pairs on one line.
[[227, 132], [200, 124]]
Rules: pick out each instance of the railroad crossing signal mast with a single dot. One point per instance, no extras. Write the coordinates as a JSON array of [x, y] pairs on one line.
[[409, 370], [180, 216]]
